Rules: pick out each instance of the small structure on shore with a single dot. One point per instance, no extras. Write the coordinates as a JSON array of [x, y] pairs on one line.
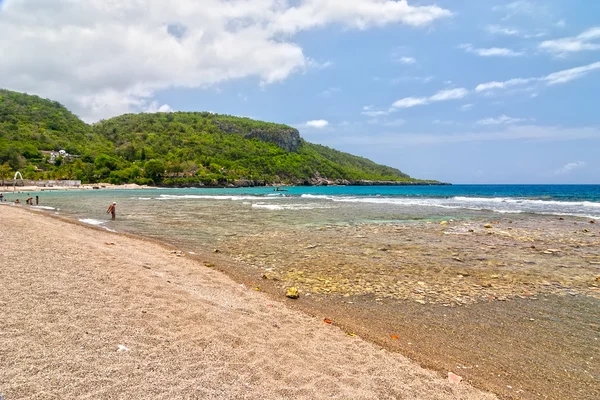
[[15, 179]]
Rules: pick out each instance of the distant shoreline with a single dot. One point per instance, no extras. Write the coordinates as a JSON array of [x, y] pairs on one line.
[[244, 184]]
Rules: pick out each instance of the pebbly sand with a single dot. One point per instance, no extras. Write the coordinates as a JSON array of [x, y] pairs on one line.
[[511, 303], [93, 315]]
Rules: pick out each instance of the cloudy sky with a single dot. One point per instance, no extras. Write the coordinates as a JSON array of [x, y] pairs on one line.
[[463, 91]]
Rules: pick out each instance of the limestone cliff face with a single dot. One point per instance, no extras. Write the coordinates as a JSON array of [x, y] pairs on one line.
[[287, 139]]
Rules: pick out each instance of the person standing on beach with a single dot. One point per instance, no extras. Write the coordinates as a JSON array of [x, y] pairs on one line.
[[112, 209], [1, 197], [37, 200]]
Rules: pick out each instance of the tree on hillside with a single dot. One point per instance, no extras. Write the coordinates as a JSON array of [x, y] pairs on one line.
[[5, 172], [154, 169]]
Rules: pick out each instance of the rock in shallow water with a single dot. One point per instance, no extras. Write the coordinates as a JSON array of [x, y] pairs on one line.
[[292, 293]]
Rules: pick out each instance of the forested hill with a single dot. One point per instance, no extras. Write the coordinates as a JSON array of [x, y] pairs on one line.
[[175, 149]]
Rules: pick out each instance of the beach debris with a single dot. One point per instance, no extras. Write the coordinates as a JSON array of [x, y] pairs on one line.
[[216, 251], [257, 289], [292, 293], [350, 334], [209, 265], [122, 348], [311, 246], [458, 259], [592, 221], [444, 223], [109, 243], [178, 253], [453, 378], [395, 337], [561, 219], [327, 321], [488, 226]]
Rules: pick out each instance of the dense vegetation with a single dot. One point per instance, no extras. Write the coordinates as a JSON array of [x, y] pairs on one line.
[[178, 148]]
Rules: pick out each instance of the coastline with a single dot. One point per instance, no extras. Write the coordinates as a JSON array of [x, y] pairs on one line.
[[92, 313], [508, 306], [236, 184]]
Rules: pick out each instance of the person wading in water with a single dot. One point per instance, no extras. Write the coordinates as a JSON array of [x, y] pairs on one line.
[[112, 210]]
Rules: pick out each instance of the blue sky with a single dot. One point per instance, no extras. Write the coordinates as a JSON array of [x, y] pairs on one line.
[[460, 91]]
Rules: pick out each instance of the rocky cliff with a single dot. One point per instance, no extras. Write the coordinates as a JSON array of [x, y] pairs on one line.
[[285, 138]]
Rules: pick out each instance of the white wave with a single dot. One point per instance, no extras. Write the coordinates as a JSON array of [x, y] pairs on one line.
[[44, 207], [501, 205], [214, 197], [527, 201], [317, 196], [268, 206], [91, 221], [287, 206]]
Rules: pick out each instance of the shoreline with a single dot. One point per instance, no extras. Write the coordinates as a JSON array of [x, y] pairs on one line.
[[118, 316], [239, 185], [426, 331]]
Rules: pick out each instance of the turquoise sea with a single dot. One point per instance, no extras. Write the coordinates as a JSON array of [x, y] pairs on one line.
[[193, 217]]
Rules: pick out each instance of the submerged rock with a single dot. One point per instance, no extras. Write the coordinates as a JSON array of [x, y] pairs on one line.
[[292, 293]]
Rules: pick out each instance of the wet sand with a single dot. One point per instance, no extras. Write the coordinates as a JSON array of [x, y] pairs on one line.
[[86, 313], [513, 304]]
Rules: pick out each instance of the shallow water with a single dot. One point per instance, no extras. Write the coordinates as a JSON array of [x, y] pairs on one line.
[[192, 218], [309, 236]]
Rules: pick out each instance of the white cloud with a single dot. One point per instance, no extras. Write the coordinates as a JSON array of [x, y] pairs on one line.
[[507, 133], [102, 58], [375, 113], [503, 119], [509, 31], [317, 123], [502, 85], [450, 94], [443, 95], [501, 30], [407, 60], [554, 78], [586, 41], [568, 75], [570, 167], [408, 102], [404, 79], [523, 7], [491, 52], [560, 23], [466, 107], [330, 91], [154, 107]]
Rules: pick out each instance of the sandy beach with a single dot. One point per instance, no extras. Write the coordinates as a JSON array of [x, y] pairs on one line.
[[91, 314], [10, 189]]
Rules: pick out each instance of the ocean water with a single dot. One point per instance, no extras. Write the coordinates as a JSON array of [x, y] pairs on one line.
[[197, 217]]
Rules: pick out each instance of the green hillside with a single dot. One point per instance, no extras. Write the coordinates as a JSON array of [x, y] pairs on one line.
[[174, 149]]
